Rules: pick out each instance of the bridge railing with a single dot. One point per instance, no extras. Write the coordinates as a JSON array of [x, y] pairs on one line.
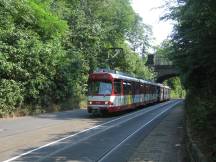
[[162, 61]]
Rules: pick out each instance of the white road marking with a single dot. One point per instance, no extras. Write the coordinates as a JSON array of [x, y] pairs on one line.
[[57, 141], [128, 137], [101, 127], [177, 145]]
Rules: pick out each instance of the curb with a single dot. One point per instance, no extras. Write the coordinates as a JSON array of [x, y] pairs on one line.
[[193, 151]]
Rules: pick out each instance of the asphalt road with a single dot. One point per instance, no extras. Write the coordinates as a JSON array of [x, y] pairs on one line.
[[76, 136]]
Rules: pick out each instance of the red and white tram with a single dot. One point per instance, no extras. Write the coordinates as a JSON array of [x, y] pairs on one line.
[[112, 91]]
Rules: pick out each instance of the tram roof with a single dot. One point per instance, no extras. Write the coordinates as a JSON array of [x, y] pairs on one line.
[[124, 76], [119, 76]]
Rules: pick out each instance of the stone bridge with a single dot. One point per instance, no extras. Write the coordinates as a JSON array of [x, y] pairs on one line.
[[163, 67]]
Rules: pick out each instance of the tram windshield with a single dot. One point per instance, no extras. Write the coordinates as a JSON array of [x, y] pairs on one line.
[[100, 88]]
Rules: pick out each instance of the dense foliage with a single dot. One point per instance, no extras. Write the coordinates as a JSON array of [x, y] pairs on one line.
[[48, 48], [194, 46], [177, 89]]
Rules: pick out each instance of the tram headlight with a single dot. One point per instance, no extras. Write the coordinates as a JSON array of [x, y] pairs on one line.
[[90, 102], [108, 103]]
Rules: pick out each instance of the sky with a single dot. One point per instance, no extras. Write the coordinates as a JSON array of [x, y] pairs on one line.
[[150, 12]]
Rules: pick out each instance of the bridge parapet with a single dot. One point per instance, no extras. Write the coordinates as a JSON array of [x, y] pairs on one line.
[[154, 60], [158, 61]]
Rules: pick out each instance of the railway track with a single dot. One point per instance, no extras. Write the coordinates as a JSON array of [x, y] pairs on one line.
[[113, 140]]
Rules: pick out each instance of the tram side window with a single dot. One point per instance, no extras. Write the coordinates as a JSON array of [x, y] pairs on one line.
[[142, 88], [133, 87], [117, 87], [155, 90], [145, 88], [127, 88], [151, 89], [137, 88], [148, 89]]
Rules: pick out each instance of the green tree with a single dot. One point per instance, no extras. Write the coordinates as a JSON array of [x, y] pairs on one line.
[[48, 48], [177, 90], [194, 53], [30, 51]]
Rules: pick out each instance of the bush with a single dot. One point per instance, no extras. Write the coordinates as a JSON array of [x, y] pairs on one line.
[[10, 96]]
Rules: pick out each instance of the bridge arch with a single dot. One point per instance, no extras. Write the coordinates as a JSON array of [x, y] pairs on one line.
[[163, 67], [161, 79]]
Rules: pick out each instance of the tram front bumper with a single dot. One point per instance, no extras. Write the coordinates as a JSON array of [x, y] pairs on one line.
[[92, 109]]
